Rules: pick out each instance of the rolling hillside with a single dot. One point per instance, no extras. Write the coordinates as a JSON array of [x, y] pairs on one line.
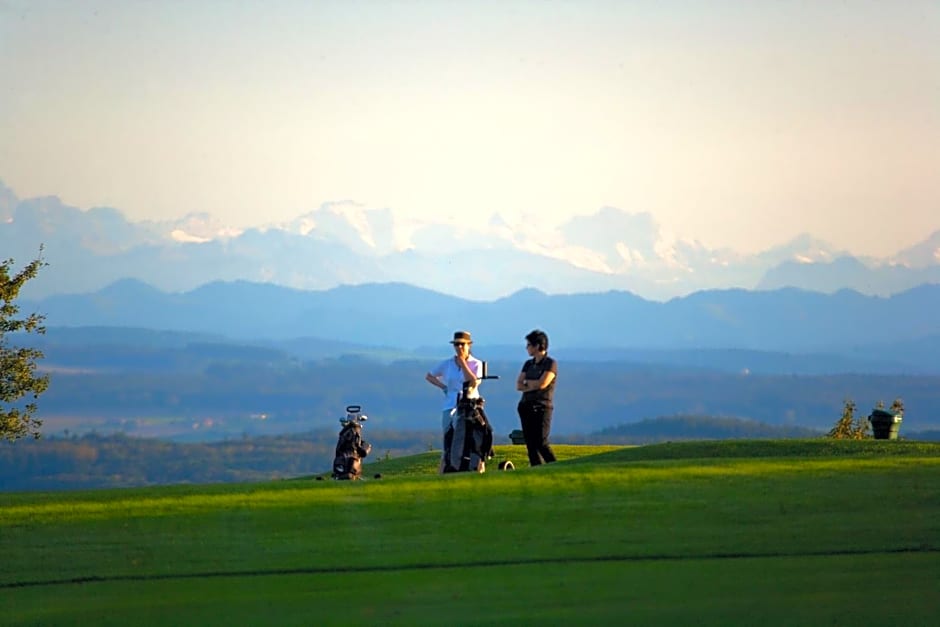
[[772, 533]]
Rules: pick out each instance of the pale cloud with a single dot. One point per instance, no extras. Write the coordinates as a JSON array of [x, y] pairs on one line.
[[182, 236], [578, 256], [630, 258]]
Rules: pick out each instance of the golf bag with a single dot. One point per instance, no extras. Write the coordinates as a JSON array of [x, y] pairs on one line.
[[350, 447], [468, 442]]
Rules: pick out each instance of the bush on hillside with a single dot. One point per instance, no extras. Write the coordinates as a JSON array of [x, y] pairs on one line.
[[848, 427]]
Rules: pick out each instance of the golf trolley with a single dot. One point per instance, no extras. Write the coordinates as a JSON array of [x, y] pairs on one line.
[[468, 442], [350, 447]]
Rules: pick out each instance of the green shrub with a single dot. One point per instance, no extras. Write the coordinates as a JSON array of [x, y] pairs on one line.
[[850, 427]]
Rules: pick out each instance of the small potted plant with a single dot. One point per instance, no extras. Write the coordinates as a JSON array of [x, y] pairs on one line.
[[885, 423]]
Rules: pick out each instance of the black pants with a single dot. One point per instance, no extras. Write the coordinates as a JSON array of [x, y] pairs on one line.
[[536, 425]]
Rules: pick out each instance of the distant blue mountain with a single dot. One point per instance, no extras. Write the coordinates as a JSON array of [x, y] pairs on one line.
[[899, 329], [848, 273]]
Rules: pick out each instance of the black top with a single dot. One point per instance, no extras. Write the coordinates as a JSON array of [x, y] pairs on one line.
[[533, 371]]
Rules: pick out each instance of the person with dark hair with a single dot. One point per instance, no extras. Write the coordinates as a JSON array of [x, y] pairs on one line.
[[536, 381]]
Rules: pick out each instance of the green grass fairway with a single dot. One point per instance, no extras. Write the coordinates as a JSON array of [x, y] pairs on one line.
[[791, 532]]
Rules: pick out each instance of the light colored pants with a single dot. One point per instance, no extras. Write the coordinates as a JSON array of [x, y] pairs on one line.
[[446, 417]]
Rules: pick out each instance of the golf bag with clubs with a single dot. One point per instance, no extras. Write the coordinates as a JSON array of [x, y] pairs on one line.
[[350, 447], [468, 442]]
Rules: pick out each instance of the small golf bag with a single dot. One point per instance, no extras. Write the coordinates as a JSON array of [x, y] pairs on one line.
[[350, 447], [468, 443]]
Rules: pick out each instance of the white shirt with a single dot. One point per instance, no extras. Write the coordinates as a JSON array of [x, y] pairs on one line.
[[451, 375]]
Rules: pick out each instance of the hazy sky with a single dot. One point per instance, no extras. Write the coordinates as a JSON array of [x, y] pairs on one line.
[[740, 124]]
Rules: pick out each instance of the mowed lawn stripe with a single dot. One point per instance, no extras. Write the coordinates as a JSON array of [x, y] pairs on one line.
[[856, 590], [459, 565], [751, 533], [561, 512]]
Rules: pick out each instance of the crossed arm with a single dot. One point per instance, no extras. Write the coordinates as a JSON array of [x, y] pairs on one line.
[[527, 385]]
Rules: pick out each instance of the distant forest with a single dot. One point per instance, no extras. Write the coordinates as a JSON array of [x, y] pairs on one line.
[[231, 397], [116, 460], [133, 407]]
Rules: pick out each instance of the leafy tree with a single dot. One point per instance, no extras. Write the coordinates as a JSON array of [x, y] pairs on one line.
[[848, 427], [18, 376]]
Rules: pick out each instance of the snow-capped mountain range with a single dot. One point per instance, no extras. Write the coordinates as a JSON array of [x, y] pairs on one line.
[[347, 243]]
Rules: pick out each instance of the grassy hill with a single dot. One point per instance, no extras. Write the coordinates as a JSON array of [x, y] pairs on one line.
[[710, 533]]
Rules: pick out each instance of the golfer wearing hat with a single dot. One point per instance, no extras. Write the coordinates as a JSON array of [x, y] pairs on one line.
[[450, 375]]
